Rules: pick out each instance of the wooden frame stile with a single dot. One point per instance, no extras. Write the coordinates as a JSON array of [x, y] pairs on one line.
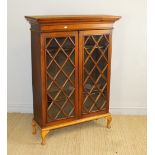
[[109, 118], [43, 133], [80, 72], [43, 79], [77, 74], [109, 69]]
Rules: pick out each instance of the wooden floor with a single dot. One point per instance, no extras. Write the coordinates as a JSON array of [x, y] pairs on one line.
[[126, 137]]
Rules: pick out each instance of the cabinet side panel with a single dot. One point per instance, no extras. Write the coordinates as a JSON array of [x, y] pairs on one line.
[[109, 69], [36, 76]]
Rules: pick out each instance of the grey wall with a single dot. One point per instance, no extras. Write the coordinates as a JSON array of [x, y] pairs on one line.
[[128, 80]]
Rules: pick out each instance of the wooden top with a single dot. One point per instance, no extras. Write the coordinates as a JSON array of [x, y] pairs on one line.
[[71, 18]]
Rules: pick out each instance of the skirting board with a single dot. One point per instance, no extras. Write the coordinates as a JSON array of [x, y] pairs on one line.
[[28, 108]]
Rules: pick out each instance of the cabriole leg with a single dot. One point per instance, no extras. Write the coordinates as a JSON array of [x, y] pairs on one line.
[[43, 135], [109, 120], [33, 127]]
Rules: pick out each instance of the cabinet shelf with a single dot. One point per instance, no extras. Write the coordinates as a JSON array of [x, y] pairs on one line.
[[56, 49], [60, 97], [91, 47], [69, 49], [93, 92]]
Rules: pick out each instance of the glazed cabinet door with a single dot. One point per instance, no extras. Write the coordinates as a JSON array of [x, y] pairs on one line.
[[94, 73], [61, 57]]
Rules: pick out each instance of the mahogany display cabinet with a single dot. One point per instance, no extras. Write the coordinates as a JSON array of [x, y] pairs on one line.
[[71, 63]]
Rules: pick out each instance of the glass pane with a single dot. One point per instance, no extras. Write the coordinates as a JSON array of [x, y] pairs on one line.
[[60, 40], [61, 78], [68, 44], [72, 57], [95, 72], [105, 72], [68, 68], [53, 44], [102, 63], [68, 109], [88, 85], [72, 77], [52, 112], [53, 69], [68, 88], [101, 83], [103, 42], [48, 80], [97, 37], [48, 59], [101, 102], [96, 54], [89, 42], [60, 60], [52, 90], [88, 103], [89, 65], [106, 54]]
